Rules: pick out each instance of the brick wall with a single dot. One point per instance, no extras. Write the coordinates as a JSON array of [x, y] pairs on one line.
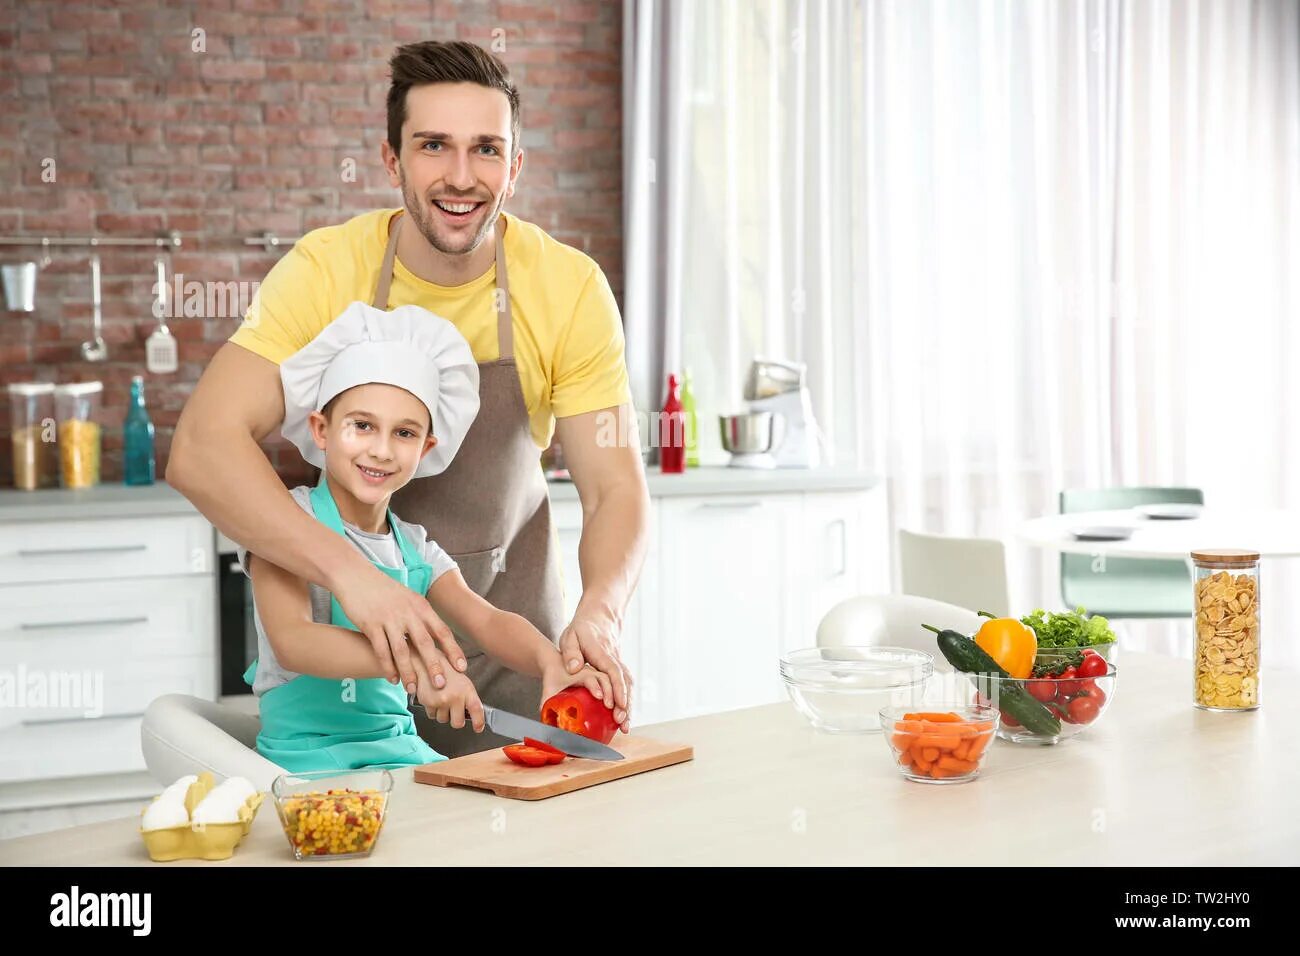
[[250, 136]]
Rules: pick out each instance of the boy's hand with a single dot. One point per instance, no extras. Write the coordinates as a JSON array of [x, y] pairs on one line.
[[555, 678], [452, 703]]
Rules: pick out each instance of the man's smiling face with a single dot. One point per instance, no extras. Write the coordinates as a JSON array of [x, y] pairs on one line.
[[455, 168]]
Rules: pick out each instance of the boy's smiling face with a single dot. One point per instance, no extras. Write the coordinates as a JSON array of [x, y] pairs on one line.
[[373, 437]]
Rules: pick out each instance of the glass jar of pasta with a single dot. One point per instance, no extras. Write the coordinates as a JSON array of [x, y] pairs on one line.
[[32, 434], [76, 406], [1226, 651]]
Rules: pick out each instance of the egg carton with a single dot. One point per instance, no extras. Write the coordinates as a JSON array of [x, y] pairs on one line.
[[200, 841]]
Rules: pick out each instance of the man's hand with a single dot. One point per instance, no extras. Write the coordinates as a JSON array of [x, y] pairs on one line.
[[610, 479], [452, 703], [556, 677], [390, 615], [592, 638]]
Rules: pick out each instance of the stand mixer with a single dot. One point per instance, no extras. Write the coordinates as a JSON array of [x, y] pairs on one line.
[[779, 430]]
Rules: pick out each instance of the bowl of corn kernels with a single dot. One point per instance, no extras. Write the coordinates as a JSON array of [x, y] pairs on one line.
[[332, 814]]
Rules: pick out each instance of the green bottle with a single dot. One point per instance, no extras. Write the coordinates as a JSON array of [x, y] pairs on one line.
[[137, 439], [691, 422]]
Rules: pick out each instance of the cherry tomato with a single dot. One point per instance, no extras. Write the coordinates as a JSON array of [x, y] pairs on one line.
[[1041, 690], [1066, 686], [1090, 688], [1093, 666], [1084, 709], [1009, 721], [1060, 709]]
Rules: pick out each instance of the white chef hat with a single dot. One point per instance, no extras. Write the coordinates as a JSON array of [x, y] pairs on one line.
[[409, 347]]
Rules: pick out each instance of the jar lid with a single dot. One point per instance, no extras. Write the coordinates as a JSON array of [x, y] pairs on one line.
[[1226, 557], [31, 388], [79, 388]]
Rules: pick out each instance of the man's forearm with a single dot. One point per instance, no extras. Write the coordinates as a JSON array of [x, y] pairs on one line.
[[226, 475], [612, 549]]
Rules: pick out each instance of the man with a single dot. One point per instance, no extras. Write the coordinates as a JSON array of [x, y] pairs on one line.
[[545, 330]]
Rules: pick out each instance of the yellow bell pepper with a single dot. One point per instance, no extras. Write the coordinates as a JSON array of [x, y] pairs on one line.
[[1010, 643]]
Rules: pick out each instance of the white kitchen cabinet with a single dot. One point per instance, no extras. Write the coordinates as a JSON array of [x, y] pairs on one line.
[[106, 548], [99, 614], [728, 606], [733, 580], [843, 540]]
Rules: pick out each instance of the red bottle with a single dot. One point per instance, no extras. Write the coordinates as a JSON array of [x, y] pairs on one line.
[[672, 433]]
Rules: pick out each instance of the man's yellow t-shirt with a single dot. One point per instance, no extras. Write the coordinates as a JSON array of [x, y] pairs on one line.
[[568, 337]]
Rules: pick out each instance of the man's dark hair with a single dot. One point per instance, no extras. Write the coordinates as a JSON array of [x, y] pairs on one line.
[[450, 61]]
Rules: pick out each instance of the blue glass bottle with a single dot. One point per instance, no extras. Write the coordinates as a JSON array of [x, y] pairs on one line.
[[138, 438]]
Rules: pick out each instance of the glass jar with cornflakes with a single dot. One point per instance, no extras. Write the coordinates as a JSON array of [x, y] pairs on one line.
[[1226, 649], [76, 406], [32, 434]]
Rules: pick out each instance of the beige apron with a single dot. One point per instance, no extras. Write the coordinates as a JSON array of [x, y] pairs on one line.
[[491, 512]]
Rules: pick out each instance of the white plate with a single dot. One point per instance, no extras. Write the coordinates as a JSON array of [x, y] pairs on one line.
[[1169, 512], [1102, 533]]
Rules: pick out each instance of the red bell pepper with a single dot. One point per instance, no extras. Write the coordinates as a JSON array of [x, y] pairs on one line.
[[555, 752], [529, 754], [577, 710]]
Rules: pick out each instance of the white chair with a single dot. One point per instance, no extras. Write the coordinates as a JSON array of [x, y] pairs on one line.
[[182, 735], [894, 620], [967, 572]]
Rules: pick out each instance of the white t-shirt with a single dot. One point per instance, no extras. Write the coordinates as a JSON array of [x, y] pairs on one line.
[[378, 548]]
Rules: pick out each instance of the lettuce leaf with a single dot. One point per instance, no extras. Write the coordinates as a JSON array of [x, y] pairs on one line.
[[1069, 628]]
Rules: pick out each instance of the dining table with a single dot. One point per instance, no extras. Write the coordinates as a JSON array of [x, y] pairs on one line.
[[1274, 534], [1155, 781]]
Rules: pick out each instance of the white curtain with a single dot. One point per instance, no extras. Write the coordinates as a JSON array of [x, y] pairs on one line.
[[1022, 246]]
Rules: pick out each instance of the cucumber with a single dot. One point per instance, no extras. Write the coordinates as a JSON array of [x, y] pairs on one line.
[[968, 657]]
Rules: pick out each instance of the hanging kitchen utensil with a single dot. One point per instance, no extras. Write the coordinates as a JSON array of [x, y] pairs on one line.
[[160, 349], [20, 286], [97, 349]]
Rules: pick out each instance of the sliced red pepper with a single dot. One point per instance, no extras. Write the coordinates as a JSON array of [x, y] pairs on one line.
[[527, 756], [577, 710], [557, 755]]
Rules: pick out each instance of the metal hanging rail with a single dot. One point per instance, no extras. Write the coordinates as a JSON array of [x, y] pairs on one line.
[[171, 239], [269, 242]]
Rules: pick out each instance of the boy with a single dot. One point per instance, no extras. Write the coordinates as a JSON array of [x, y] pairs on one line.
[[375, 400]]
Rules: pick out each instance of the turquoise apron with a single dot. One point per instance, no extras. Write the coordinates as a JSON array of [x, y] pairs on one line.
[[316, 723]]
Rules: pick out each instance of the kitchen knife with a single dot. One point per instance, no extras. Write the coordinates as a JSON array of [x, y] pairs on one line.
[[506, 724]]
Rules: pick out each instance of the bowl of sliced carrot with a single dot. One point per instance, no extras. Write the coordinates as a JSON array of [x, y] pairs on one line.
[[940, 746]]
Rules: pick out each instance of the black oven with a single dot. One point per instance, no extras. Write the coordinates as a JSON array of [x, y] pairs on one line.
[[238, 632]]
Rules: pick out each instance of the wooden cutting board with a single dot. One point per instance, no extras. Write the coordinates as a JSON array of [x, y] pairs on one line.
[[493, 770]]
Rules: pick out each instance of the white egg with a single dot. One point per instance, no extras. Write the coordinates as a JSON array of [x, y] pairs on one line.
[[181, 786], [163, 813], [240, 788], [217, 808]]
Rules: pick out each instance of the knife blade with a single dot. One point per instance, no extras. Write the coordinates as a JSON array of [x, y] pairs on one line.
[[506, 724]]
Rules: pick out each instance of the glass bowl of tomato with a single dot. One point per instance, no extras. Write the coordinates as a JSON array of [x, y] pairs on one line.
[[1061, 699]]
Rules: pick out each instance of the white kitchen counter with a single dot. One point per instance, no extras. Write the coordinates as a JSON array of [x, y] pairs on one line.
[[720, 480], [120, 501], [1156, 782], [102, 501]]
